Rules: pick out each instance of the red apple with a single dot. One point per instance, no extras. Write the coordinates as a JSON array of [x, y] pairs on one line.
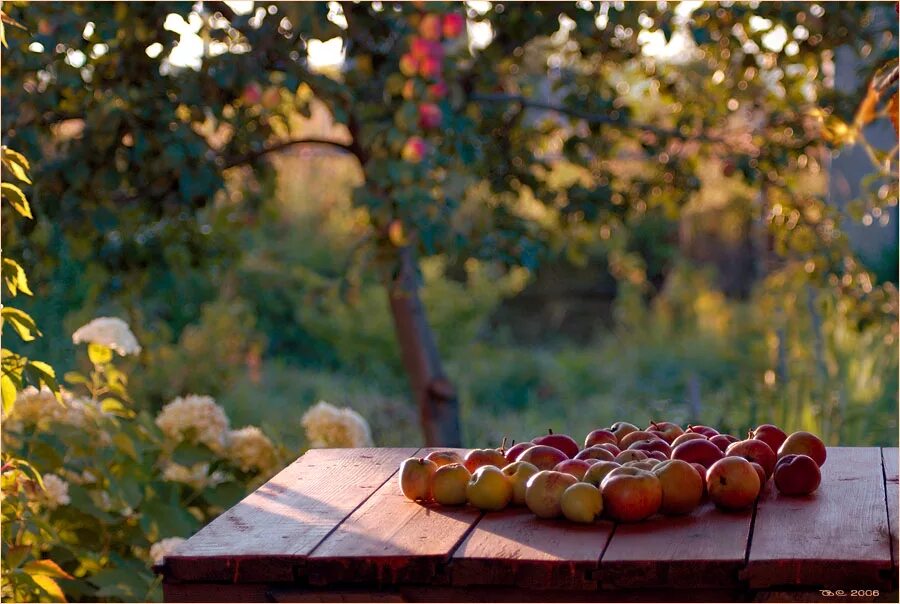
[[430, 116], [701, 470], [542, 456], [633, 437], [409, 65], [453, 25], [762, 475], [443, 458], [575, 467], [665, 430], [614, 449], [595, 452], [754, 450], [769, 434], [430, 68], [436, 91], [252, 94], [732, 483], [797, 475], [723, 440], [653, 443], [686, 437], [804, 443], [657, 455], [420, 48], [620, 429], [414, 150], [564, 443], [599, 437], [591, 461], [430, 27], [630, 455], [698, 451], [704, 430], [630, 498], [682, 488], [477, 458], [512, 454], [544, 490]]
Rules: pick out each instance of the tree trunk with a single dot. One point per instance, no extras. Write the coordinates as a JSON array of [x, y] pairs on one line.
[[432, 391]]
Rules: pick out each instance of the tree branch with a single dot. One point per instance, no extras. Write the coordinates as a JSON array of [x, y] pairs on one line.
[[249, 157], [591, 118]]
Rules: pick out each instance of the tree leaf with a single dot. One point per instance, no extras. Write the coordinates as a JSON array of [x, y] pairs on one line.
[[12, 156], [893, 110], [50, 586], [16, 555], [47, 568], [21, 322], [187, 454], [17, 198], [865, 113], [9, 391], [17, 169], [15, 278], [99, 354], [39, 372]]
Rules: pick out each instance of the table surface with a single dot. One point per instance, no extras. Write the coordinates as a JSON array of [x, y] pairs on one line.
[[336, 517]]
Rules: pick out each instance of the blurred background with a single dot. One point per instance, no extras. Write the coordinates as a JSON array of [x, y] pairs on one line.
[[665, 210], [236, 230]]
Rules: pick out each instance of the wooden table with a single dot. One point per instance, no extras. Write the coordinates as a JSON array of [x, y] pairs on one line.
[[333, 526]]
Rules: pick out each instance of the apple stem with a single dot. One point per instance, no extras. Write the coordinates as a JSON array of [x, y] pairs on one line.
[[503, 444], [549, 430]]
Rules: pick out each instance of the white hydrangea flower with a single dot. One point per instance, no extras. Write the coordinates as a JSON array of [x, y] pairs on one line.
[[200, 413], [329, 426], [56, 491], [250, 449], [33, 405], [196, 475], [111, 332], [164, 547]]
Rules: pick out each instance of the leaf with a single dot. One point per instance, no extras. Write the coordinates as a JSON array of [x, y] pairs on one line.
[[866, 111], [39, 372], [15, 278], [187, 454], [893, 110], [11, 156], [99, 354], [17, 198], [21, 322], [46, 568], [9, 393], [16, 555], [16, 167], [50, 586]]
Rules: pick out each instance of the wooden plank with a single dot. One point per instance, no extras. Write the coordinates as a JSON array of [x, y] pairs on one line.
[[266, 535], [836, 538], [390, 540], [215, 592], [892, 495], [514, 547], [705, 548]]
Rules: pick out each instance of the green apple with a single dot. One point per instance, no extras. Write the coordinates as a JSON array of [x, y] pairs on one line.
[[489, 489], [449, 484], [581, 502], [518, 473], [597, 472]]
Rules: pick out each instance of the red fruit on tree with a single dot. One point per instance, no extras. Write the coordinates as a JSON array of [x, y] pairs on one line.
[[430, 27], [453, 25], [430, 68], [430, 116], [414, 150], [409, 65], [436, 91]]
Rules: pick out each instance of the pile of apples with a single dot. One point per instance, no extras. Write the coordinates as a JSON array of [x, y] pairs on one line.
[[622, 472]]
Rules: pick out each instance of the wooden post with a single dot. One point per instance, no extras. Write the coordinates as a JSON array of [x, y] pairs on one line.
[[432, 391]]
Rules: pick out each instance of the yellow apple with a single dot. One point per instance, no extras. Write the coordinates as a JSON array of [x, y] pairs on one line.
[[416, 474], [449, 484], [581, 502], [519, 472], [544, 491], [489, 489], [682, 487], [597, 472]]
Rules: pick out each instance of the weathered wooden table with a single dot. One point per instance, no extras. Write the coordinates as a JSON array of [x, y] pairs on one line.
[[333, 526]]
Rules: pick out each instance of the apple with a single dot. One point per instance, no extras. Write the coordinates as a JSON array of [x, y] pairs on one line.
[[701, 470], [614, 449], [271, 98], [761, 472], [769, 434], [647, 464], [575, 467], [420, 48], [416, 475], [623, 471], [754, 450], [516, 449], [252, 94], [436, 91], [489, 489], [409, 90], [595, 452], [414, 150], [597, 472], [804, 443], [591, 461], [698, 451], [544, 490], [449, 484], [732, 483], [564, 443], [483, 457], [430, 68], [659, 455], [682, 486], [704, 430], [630, 498], [409, 65], [723, 440], [518, 473], [442, 458], [430, 27], [599, 437], [620, 429], [651, 444], [430, 116], [665, 430], [686, 437], [630, 455], [633, 437], [797, 475], [452, 25], [543, 456], [581, 502]]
